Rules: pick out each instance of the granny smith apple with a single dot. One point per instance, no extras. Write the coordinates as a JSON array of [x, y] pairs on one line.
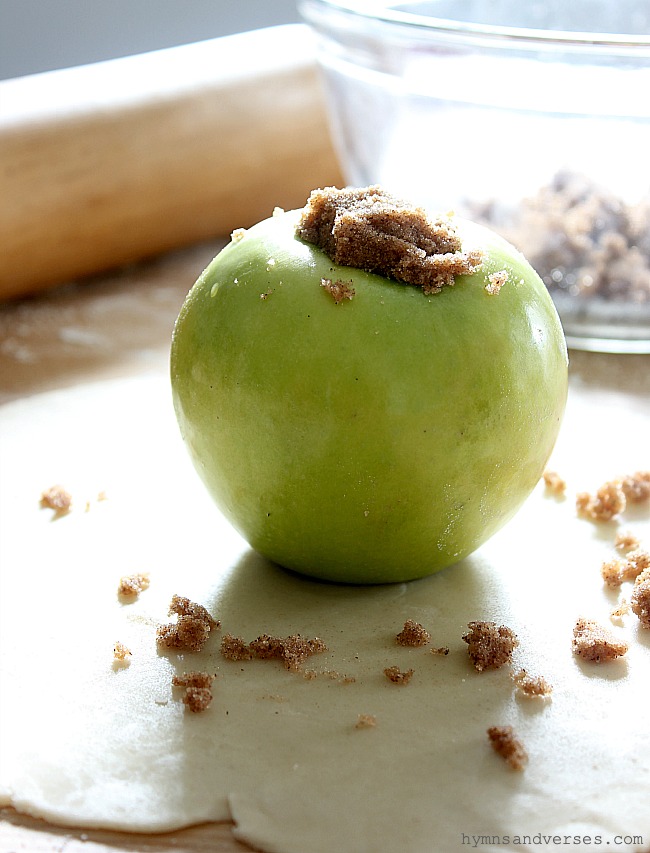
[[374, 433]]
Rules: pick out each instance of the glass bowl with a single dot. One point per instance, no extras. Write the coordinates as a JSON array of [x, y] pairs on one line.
[[533, 118]]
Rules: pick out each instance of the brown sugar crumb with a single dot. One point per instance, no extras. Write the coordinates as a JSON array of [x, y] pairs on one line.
[[640, 601], [441, 650], [554, 483], [490, 646], [338, 290], [636, 487], [637, 561], [496, 281], [592, 642], [413, 634], [121, 652], [330, 674], [293, 651], [182, 606], [532, 686], [193, 679], [506, 744], [192, 629], [612, 571], [626, 541], [584, 241], [373, 231], [132, 585], [617, 571], [613, 496], [198, 689], [235, 648], [397, 676], [608, 502], [366, 721], [58, 499]]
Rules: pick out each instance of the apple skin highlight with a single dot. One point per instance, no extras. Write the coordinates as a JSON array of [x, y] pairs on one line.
[[376, 439]]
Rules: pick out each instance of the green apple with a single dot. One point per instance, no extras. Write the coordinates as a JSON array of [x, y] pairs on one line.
[[378, 438]]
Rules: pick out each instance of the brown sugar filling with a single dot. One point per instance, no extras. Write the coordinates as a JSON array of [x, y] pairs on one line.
[[373, 231], [592, 642], [413, 634], [490, 646], [58, 499], [192, 629], [197, 689], [641, 598], [293, 651], [507, 744]]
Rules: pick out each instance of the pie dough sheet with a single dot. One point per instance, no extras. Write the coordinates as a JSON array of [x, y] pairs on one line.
[[85, 741]]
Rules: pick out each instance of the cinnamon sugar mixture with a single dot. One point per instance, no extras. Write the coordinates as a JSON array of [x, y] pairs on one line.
[[133, 585], [617, 571], [198, 689], [293, 651], [490, 646], [531, 686], [612, 497], [121, 653], [413, 634], [58, 499], [192, 629], [640, 601], [592, 642], [506, 744], [373, 231], [398, 676]]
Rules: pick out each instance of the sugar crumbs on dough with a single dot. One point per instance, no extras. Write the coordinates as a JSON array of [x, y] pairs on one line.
[[612, 497], [133, 585], [58, 499], [640, 601], [413, 634], [608, 502], [489, 646], [366, 721], [496, 281], [121, 653], [373, 231], [338, 290], [554, 482], [507, 744], [192, 628], [592, 642], [235, 649], [293, 651], [636, 487], [398, 676], [198, 689], [532, 686], [330, 674], [615, 572]]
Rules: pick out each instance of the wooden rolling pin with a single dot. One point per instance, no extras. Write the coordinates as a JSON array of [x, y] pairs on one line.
[[108, 163]]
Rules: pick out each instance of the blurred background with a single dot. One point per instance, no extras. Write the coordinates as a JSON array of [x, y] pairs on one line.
[[41, 35]]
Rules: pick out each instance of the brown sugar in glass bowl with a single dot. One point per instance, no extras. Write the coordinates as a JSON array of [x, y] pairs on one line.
[[531, 118]]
